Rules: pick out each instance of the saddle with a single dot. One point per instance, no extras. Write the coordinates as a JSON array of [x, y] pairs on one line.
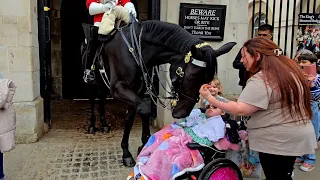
[[89, 30]]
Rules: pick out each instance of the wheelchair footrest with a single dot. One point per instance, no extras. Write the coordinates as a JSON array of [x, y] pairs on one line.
[[194, 145]]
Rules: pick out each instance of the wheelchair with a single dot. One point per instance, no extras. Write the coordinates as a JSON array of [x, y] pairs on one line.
[[217, 167]]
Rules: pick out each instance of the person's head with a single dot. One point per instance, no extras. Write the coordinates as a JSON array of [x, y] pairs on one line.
[[212, 111], [265, 31], [279, 72], [217, 84], [306, 57]]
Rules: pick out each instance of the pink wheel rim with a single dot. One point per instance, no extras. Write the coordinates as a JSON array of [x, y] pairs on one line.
[[224, 173]]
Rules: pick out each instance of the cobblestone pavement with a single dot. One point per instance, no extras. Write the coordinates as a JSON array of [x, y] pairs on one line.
[[67, 153]]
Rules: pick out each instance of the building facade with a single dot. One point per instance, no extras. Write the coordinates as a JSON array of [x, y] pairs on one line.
[[19, 49]]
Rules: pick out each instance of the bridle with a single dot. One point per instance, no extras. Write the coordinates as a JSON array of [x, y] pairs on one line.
[[179, 76]]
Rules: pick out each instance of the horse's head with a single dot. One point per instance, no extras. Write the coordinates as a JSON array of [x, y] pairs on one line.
[[199, 67]]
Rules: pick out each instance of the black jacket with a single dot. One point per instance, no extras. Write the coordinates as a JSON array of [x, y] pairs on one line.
[[243, 74]]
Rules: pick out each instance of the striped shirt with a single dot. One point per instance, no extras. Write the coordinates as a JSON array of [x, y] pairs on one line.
[[315, 91]]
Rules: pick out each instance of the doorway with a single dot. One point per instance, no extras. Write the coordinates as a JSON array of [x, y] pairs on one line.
[[72, 16]]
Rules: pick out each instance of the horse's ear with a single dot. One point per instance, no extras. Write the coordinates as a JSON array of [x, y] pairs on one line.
[[194, 50], [225, 48]]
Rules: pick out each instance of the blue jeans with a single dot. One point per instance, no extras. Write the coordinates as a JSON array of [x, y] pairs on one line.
[[311, 158], [1, 166]]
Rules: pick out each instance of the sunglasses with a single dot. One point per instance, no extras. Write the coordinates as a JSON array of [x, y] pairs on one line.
[[262, 34], [210, 107]]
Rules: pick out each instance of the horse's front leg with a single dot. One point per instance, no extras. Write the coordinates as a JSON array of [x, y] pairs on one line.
[[127, 158], [123, 92], [145, 114]]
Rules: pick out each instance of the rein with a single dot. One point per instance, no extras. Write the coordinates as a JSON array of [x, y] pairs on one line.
[[136, 51]]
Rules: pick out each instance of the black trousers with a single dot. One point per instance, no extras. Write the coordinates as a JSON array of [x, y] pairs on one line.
[[92, 45], [277, 167]]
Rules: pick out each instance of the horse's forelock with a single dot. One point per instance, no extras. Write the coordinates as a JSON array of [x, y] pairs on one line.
[[211, 59]]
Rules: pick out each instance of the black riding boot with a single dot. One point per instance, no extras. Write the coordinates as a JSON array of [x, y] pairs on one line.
[[91, 43]]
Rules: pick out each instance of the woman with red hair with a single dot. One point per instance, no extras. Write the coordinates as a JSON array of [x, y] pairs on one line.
[[277, 98]]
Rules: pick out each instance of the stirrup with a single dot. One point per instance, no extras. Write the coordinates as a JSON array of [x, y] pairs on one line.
[[89, 77]]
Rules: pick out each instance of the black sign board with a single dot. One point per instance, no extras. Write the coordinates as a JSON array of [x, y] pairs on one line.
[[203, 20], [309, 19]]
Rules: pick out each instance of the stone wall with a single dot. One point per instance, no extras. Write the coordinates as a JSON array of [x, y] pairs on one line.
[[236, 28], [19, 61], [56, 60]]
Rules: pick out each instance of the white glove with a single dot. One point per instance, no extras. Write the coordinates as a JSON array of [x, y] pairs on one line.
[[108, 6], [131, 8], [96, 8]]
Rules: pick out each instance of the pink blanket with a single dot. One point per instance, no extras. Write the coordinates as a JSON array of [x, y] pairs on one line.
[[166, 156]]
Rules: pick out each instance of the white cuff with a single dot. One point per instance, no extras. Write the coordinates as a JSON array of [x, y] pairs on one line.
[[95, 8]]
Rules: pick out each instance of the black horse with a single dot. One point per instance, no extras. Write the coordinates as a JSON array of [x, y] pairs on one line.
[[193, 63]]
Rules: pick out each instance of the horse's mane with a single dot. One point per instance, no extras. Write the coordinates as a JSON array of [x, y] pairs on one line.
[[170, 35]]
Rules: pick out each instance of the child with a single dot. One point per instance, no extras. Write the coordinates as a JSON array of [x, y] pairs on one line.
[[216, 83], [166, 153], [306, 57], [203, 102]]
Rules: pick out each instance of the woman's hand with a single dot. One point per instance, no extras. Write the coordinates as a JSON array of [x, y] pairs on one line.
[[310, 79], [205, 90]]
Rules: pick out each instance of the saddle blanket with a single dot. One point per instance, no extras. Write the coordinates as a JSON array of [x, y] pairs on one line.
[[108, 20], [166, 156]]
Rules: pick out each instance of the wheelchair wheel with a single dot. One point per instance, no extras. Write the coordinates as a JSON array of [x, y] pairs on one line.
[[223, 169]]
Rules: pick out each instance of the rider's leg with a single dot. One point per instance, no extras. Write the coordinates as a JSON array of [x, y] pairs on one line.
[[92, 44]]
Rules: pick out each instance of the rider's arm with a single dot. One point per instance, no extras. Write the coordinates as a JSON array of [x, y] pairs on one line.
[[95, 7], [128, 4], [124, 2]]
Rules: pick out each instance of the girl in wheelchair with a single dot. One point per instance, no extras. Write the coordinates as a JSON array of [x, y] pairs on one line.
[[191, 149]]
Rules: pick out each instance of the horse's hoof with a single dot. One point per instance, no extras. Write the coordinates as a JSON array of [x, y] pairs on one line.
[[91, 130], [140, 149], [105, 129], [128, 162]]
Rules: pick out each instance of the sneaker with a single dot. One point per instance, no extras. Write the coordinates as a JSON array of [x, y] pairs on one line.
[[298, 162], [306, 167]]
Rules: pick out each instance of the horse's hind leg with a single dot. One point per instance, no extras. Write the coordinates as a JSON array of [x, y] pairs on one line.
[[92, 127], [104, 126], [127, 158]]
